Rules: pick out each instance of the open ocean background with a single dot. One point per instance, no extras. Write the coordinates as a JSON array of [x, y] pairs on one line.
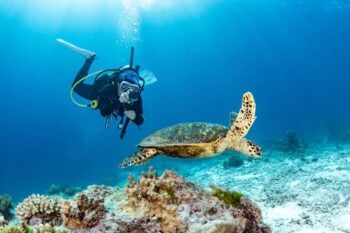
[[294, 56]]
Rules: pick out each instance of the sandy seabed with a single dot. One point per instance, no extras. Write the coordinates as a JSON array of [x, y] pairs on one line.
[[305, 193]]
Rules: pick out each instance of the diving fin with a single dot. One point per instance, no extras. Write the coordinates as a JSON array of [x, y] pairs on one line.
[[84, 52], [148, 76]]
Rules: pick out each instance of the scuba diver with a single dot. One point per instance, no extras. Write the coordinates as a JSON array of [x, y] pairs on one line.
[[114, 92]]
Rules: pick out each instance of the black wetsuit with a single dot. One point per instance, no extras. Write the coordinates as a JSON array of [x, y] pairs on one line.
[[105, 91]]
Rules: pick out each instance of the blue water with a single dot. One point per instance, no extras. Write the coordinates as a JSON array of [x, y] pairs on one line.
[[294, 56]]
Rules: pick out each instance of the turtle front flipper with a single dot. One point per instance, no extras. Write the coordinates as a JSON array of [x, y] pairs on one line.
[[244, 120], [139, 157], [248, 147]]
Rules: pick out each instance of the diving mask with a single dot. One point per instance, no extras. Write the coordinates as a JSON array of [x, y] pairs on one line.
[[124, 86]]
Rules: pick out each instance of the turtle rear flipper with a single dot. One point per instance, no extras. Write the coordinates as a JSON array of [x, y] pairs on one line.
[[248, 147], [244, 119], [139, 157]]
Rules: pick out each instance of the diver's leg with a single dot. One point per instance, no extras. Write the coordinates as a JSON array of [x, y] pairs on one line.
[[84, 69], [86, 91]]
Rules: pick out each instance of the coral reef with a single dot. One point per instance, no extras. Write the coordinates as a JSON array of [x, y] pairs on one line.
[[84, 212], [152, 204], [247, 210], [225, 228], [188, 208], [157, 197], [39, 209], [98, 192], [142, 225], [5, 206], [229, 198], [41, 228]]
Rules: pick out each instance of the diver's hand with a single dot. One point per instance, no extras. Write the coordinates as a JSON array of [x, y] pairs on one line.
[[130, 114], [124, 98]]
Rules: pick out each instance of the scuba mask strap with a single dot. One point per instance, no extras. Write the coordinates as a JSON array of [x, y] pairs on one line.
[[143, 84]]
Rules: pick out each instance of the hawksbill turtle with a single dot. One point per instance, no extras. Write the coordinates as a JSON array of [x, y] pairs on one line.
[[200, 139]]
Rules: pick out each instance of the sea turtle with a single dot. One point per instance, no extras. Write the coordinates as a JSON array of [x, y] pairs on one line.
[[200, 139]]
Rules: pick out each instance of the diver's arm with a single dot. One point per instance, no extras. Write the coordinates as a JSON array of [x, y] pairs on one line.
[[138, 109]]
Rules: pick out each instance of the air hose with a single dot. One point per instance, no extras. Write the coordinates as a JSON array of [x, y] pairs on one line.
[[93, 104]]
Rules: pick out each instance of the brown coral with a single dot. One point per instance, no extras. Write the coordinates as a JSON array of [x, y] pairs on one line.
[[158, 197], [152, 204], [180, 206], [83, 213], [252, 214]]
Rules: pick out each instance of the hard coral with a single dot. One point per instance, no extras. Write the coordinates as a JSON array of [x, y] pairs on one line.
[[41, 228], [180, 206], [83, 213], [152, 204], [37, 209], [158, 197]]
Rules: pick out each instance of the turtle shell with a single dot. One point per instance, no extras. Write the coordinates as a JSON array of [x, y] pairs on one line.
[[184, 134]]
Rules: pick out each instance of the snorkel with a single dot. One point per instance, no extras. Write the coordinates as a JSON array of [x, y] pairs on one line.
[[136, 69]]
